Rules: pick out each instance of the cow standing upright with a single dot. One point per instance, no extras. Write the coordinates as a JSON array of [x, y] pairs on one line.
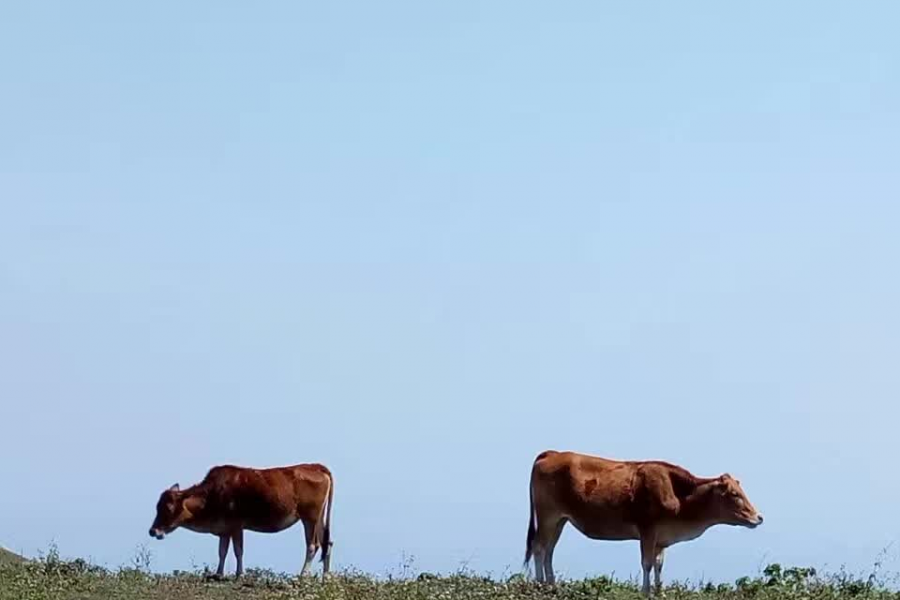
[[232, 499], [655, 502]]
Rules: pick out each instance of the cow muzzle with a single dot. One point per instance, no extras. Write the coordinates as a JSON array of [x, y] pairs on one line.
[[157, 533], [755, 521]]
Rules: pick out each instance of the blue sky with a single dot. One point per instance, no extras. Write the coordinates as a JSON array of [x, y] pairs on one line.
[[422, 242]]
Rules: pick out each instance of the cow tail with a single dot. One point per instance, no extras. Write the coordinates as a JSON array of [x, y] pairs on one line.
[[326, 523], [532, 521]]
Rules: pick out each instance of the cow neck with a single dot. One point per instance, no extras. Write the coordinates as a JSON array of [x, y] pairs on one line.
[[694, 506], [195, 500]]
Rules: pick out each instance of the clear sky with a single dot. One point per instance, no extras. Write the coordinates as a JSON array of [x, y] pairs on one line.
[[421, 242]]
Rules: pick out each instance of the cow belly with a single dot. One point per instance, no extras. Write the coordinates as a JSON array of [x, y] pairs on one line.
[[606, 529], [274, 525]]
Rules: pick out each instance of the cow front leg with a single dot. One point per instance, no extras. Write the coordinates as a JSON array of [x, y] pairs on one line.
[[657, 569], [648, 558], [224, 540], [237, 539]]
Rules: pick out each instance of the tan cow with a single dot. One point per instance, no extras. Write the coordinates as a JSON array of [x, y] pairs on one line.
[[655, 502], [231, 499]]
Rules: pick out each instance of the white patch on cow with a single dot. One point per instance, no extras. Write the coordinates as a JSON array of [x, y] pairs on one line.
[[288, 521]]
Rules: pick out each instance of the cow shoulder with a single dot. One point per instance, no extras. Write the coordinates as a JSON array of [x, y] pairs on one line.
[[655, 492], [221, 473]]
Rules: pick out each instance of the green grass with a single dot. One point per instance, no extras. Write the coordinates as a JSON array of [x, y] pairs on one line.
[[53, 579]]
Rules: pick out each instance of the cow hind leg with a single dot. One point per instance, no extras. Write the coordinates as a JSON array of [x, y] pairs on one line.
[[312, 545], [549, 527], [326, 560], [549, 545], [537, 555]]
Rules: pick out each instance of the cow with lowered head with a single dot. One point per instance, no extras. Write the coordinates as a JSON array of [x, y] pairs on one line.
[[233, 499]]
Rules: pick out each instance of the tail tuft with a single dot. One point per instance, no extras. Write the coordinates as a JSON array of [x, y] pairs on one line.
[[326, 529], [532, 525]]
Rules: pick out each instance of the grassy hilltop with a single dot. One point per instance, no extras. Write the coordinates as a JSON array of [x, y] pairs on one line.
[[7, 557], [53, 579]]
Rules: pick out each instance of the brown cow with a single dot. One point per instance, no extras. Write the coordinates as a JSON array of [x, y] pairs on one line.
[[655, 502], [231, 499]]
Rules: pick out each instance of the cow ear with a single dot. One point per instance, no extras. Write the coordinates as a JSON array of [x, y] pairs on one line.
[[175, 488]]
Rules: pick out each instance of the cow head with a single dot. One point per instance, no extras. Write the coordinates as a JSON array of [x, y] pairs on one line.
[[170, 512], [732, 504]]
